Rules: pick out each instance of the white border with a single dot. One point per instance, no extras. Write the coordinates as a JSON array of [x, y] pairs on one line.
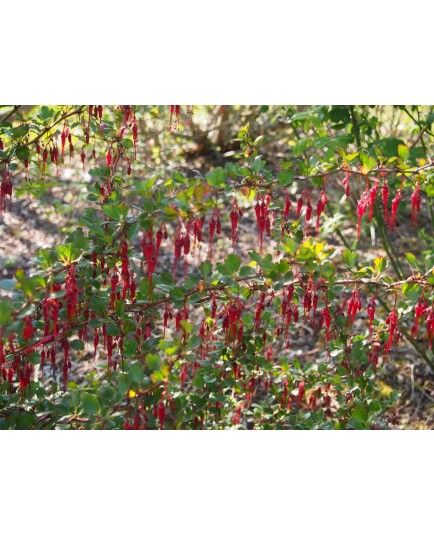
[[230, 52], [202, 483], [224, 53]]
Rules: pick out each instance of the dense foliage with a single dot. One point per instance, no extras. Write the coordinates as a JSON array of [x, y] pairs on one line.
[[235, 294]]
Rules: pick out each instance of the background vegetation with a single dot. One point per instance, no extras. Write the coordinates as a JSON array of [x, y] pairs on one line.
[[216, 267]]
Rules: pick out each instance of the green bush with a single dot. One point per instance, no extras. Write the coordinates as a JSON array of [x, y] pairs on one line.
[[239, 295]]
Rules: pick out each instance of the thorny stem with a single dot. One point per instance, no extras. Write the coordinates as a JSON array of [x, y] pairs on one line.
[[339, 169], [212, 289]]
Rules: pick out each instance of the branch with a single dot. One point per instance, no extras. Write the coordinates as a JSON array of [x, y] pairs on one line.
[[356, 127], [341, 169], [47, 129], [10, 114]]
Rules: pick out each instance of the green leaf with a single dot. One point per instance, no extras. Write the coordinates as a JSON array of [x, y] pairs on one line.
[[76, 344], [194, 342], [5, 312], [403, 152], [178, 177], [285, 177], [247, 271], [209, 379], [412, 261], [368, 162], [327, 270], [64, 252], [145, 187], [20, 131], [299, 116], [113, 330], [411, 290], [356, 350], [430, 190], [216, 177], [22, 153], [130, 347], [232, 263], [170, 347], [148, 204], [24, 421], [198, 381], [115, 212], [341, 321], [136, 373], [100, 172], [97, 304], [342, 371], [124, 384], [153, 361], [45, 113], [300, 147], [380, 264], [7, 284], [120, 308], [360, 414], [187, 326], [206, 268], [90, 404], [350, 258]]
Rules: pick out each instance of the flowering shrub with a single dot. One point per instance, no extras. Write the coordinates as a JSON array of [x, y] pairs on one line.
[[190, 321]]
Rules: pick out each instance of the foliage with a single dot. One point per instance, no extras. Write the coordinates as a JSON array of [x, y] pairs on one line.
[[186, 337]]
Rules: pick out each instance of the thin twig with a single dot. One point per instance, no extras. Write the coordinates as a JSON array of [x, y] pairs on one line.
[[10, 114]]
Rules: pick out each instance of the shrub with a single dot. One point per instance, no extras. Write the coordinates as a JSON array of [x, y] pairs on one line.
[[239, 297]]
